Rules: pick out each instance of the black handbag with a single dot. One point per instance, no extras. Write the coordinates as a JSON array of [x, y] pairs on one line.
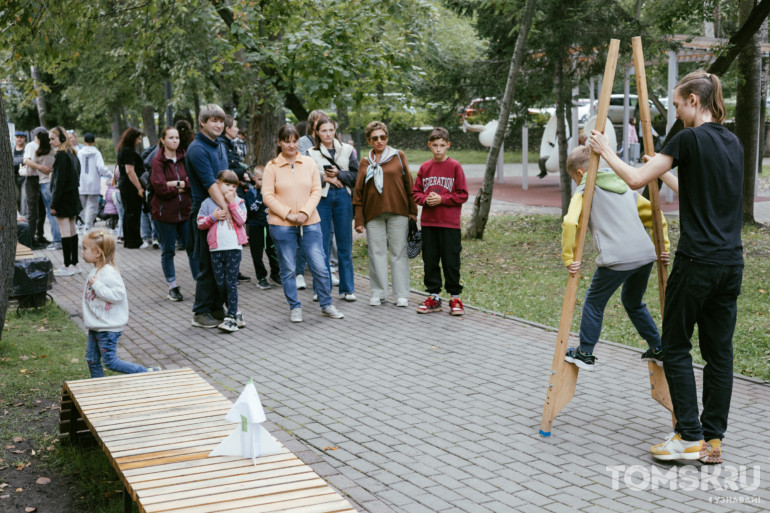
[[414, 240]]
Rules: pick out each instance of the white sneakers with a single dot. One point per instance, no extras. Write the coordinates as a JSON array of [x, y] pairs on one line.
[[375, 301], [349, 297], [70, 270], [301, 285], [402, 302], [674, 448], [296, 315]]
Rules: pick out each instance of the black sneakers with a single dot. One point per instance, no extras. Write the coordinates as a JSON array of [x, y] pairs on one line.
[[263, 284], [242, 278], [583, 360], [205, 320], [653, 356], [174, 295]]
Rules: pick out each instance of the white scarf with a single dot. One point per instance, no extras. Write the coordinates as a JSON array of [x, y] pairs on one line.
[[375, 168]]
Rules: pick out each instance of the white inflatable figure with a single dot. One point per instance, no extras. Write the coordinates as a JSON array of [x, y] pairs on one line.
[[249, 439], [549, 154], [487, 135], [609, 131]]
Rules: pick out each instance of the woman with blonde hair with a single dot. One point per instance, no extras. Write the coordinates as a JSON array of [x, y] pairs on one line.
[[65, 198]]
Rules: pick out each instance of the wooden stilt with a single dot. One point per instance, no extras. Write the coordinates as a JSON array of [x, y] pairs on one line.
[[561, 387], [658, 383]]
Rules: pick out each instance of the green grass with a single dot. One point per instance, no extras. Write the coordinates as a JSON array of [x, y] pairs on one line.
[[417, 157], [517, 270], [38, 352]]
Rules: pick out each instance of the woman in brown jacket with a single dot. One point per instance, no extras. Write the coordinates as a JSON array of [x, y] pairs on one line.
[[383, 205], [291, 189]]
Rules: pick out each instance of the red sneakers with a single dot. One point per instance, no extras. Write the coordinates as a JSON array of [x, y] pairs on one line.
[[430, 305], [456, 306]]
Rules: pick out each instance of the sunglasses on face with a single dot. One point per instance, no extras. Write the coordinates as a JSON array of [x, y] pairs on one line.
[[376, 138]]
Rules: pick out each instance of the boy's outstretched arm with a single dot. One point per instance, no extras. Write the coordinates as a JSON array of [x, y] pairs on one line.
[[569, 232]]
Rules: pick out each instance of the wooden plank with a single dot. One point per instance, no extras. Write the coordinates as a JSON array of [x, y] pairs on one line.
[[339, 505], [286, 500], [165, 406], [111, 402], [222, 482], [561, 387], [179, 501], [158, 439], [172, 439], [140, 386], [244, 466], [123, 377], [199, 444], [162, 429], [147, 380], [191, 467], [202, 410]]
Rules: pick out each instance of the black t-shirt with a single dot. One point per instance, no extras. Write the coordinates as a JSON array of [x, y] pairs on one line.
[[710, 160], [132, 158]]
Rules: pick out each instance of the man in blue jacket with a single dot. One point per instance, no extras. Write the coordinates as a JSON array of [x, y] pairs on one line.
[[205, 159]]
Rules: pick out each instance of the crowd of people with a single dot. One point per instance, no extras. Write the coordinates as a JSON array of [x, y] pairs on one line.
[[193, 191], [302, 207]]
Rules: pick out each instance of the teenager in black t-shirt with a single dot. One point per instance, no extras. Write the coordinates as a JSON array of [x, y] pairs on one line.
[[705, 282]]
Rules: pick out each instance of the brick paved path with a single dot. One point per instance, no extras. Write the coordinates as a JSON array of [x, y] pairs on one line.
[[431, 413]]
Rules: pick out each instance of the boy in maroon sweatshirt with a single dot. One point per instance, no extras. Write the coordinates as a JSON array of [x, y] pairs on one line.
[[441, 189]]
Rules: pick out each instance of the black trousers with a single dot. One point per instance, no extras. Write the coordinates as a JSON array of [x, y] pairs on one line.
[[208, 297], [441, 246], [259, 240], [132, 212], [705, 295]]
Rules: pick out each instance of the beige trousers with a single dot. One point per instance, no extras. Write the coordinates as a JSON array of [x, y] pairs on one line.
[[387, 233]]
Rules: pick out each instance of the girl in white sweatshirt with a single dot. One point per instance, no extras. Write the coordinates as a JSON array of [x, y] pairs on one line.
[[105, 307]]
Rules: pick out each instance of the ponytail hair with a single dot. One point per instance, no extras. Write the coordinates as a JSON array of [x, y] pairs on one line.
[[105, 243], [708, 88]]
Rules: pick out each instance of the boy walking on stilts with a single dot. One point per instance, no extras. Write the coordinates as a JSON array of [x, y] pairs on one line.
[[626, 256]]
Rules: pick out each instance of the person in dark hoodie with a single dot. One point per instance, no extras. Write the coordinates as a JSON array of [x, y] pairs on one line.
[[171, 205]]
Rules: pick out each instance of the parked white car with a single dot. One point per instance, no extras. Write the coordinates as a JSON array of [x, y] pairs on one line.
[[616, 108]]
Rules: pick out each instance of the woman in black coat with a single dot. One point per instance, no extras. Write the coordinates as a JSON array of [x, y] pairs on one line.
[[131, 168], [65, 198]]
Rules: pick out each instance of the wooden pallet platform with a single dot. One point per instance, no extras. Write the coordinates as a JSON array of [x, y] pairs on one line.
[[157, 429]]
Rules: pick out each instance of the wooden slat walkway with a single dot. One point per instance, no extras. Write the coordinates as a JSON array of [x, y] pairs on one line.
[[158, 429]]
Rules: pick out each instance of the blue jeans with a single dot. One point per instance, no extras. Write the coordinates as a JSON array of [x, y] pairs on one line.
[[337, 209], [603, 284], [103, 345], [167, 236], [148, 227], [287, 240], [45, 192]]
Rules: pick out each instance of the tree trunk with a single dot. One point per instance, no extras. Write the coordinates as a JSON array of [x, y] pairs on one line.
[[763, 99], [747, 112], [343, 118], [483, 202], [115, 125], [265, 120], [148, 121], [40, 100], [563, 93], [751, 21], [7, 216]]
